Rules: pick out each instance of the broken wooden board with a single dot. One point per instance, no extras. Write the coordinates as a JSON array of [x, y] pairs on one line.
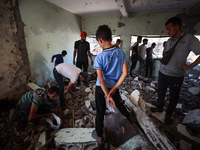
[[118, 129]]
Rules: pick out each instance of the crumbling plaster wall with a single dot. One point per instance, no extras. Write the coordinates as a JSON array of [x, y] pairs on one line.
[[142, 23], [14, 65], [49, 30]]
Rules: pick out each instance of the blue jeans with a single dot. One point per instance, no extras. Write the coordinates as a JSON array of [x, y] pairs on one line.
[[59, 80]]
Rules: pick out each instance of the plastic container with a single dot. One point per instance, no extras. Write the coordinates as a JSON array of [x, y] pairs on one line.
[[52, 120]]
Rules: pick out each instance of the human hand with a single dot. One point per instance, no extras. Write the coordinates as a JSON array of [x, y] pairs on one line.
[[111, 92], [92, 62], [51, 60], [111, 102]]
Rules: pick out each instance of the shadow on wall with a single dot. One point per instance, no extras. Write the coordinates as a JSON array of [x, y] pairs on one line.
[[40, 70]]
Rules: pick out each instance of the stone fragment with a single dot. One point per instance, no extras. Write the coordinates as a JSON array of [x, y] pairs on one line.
[[87, 103], [88, 90], [192, 119], [135, 95], [33, 86], [149, 89], [42, 139], [194, 90]]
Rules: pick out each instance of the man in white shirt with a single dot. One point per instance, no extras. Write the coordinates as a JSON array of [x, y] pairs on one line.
[[72, 73], [141, 55]]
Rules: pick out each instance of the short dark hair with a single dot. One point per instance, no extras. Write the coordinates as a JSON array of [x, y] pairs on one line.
[[139, 38], [84, 75], [104, 32], [145, 40], [64, 52], [174, 21], [153, 44], [118, 40], [53, 89]]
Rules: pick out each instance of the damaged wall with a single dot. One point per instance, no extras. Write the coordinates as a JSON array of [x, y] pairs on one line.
[[142, 23], [48, 29], [14, 64]]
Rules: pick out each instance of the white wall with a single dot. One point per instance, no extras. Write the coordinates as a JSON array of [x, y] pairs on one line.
[[49, 30]]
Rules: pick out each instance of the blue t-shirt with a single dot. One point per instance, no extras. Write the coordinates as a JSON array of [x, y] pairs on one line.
[[110, 61], [59, 58]]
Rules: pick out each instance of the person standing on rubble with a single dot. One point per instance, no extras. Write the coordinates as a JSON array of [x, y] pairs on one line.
[[111, 68], [82, 49], [36, 104], [134, 57], [149, 60], [59, 57], [172, 74], [70, 72], [141, 55]]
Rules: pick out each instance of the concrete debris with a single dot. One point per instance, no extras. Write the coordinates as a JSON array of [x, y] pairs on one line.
[[33, 86], [182, 129], [42, 138], [88, 90], [79, 138], [149, 89], [192, 120], [194, 90], [14, 114], [135, 96]]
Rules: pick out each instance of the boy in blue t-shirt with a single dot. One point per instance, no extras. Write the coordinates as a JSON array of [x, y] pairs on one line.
[[111, 67]]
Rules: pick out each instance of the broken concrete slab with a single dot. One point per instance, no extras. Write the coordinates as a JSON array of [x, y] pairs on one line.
[[159, 116], [194, 90], [135, 143], [135, 96], [192, 119], [33, 86], [182, 129], [184, 145], [76, 137], [118, 129]]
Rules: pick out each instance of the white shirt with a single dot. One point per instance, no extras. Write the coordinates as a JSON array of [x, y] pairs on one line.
[[141, 51], [68, 71]]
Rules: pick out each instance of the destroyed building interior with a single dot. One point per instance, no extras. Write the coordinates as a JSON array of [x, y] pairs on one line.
[[32, 31]]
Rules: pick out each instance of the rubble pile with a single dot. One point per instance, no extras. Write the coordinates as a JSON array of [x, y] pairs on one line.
[[80, 113]]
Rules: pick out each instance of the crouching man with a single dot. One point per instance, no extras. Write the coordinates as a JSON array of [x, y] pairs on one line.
[[70, 72], [36, 104]]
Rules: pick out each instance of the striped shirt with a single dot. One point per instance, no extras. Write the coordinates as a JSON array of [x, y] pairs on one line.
[[39, 98]]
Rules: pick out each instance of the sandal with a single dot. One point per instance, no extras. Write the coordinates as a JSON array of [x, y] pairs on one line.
[[94, 135]]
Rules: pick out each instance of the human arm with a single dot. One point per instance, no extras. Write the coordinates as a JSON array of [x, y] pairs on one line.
[[69, 89], [74, 55], [61, 116], [120, 81], [111, 102], [33, 114], [52, 58], [187, 67], [90, 55]]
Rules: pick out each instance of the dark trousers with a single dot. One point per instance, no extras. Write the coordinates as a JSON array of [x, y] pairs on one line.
[[174, 84], [26, 107], [59, 80], [149, 64], [81, 64], [134, 60], [101, 107]]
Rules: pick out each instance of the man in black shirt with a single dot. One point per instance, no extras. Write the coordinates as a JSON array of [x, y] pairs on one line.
[[82, 49], [134, 57], [149, 60]]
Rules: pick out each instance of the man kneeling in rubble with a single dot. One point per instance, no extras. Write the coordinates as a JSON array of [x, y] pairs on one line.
[[36, 104]]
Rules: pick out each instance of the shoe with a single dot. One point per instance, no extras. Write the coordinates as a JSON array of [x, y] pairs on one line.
[[168, 119], [94, 135], [154, 109]]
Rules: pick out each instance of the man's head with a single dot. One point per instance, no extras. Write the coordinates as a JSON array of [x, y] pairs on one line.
[[153, 45], [104, 33], [139, 39], [145, 41], [83, 35], [64, 53], [173, 26], [53, 92], [83, 76]]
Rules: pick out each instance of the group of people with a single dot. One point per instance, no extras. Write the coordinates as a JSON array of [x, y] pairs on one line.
[[139, 53], [112, 70]]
